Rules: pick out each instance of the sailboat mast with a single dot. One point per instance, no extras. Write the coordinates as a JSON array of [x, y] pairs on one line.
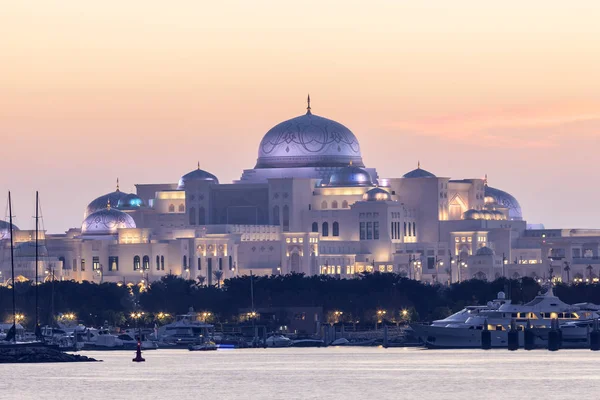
[[12, 265], [37, 207]]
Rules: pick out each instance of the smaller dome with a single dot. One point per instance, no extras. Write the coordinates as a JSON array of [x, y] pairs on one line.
[[130, 202], [350, 176], [498, 215], [484, 251], [100, 203], [106, 222], [27, 249], [471, 214], [377, 194], [419, 173], [487, 215], [196, 175], [5, 229]]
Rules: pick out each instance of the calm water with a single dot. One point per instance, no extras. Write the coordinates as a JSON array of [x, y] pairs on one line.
[[332, 373]]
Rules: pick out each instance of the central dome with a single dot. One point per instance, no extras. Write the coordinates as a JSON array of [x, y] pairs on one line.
[[106, 222], [309, 141]]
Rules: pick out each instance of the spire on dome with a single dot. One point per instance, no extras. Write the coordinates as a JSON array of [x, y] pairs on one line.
[[117, 184], [198, 164], [418, 164], [485, 180], [308, 104]]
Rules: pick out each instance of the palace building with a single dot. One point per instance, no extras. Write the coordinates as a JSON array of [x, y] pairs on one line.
[[310, 205]]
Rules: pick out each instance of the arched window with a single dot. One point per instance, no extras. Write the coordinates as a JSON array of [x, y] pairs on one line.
[[414, 229], [201, 216], [192, 216], [334, 204], [230, 263], [157, 263], [345, 204], [146, 263], [324, 205], [136, 263], [405, 233], [336, 229], [286, 218], [325, 230], [162, 263], [315, 227], [181, 208], [199, 264], [276, 215], [62, 260], [171, 208], [185, 266]]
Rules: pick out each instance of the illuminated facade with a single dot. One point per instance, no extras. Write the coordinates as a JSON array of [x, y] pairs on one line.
[[310, 205]]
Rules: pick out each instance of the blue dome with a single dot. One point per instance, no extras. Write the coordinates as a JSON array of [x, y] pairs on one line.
[[419, 173], [377, 194], [350, 176], [130, 202], [5, 229], [106, 222], [196, 175], [500, 197], [100, 203], [308, 141], [484, 251]]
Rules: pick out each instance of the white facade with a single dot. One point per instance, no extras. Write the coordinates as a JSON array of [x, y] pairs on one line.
[[309, 206]]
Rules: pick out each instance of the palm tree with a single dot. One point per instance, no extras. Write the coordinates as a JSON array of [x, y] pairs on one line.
[[201, 280], [567, 270], [590, 271], [218, 275]]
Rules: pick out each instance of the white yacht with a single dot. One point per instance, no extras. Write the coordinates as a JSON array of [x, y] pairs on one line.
[[463, 329], [278, 341], [188, 329]]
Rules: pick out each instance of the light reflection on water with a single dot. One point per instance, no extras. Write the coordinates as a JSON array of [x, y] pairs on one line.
[[332, 373]]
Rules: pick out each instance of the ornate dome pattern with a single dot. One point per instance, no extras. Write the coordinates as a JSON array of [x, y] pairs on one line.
[[106, 222], [309, 141], [504, 199], [350, 176], [196, 175], [5, 229], [377, 194]]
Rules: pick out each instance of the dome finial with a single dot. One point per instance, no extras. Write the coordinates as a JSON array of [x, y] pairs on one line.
[[117, 184], [108, 204], [198, 164], [485, 180], [308, 104], [419, 164]]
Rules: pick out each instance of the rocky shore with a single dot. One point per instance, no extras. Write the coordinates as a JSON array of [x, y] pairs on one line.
[[38, 354]]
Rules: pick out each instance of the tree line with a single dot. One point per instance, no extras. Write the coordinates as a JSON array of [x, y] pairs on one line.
[[360, 300]]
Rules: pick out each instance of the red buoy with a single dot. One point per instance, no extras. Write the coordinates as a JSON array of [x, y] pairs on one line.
[[138, 353]]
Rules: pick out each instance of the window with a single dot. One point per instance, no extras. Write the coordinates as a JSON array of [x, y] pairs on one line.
[[157, 263], [95, 263], [82, 264], [230, 263], [181, 208], [336, 229], [162, 263], [199, 264], [286, 218], [113, 263], [146, 263], [185, 266], [376, 230], [74, 265], [362, 231], [345, 204], [414, 229], [136, 263], [325, 230], [192, 216], [64, 263], [276, 215], [171, 208], [324, 205], [334, 204], [220, 264], [201, 216], [315, 227], [369, 230]]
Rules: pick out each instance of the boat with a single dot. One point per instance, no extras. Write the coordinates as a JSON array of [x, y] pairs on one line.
[[206, 346], [278, 341], [188, 329], [308, 343], [463, 329], [130, 342]]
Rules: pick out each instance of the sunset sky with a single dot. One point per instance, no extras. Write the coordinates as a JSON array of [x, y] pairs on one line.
[[143, 90]]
